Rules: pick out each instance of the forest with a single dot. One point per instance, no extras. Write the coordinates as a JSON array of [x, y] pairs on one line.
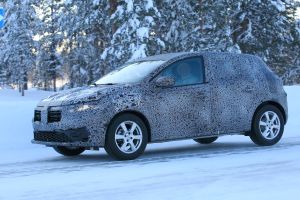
[[78, 41]]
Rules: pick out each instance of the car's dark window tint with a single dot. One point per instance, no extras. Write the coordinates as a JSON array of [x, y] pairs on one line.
[[186, 72]]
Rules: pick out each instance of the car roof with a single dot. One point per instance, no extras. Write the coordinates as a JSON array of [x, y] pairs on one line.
[[164, 57], [169, 56]]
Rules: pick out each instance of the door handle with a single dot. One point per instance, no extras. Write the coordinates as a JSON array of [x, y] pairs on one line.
[[201, 95], [248, 89]]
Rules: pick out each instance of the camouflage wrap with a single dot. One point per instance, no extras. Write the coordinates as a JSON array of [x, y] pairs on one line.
[[235, 86]]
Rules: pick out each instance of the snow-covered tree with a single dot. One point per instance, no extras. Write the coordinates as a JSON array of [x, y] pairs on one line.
[[49, 37], [19, 47], [81, 40], [292, 74], [178, 25], [136, 34], [265, 28], [3, 70], [85, 25], [196, 25]]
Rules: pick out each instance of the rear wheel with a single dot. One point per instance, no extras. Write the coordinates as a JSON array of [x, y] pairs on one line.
[[69, 151], [206, 140], [126, 137], [267, 126]]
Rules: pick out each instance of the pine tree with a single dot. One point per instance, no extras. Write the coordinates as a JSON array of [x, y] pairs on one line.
[[178, 25], [82, 40], [135, 33], [86, 28], [19, 46], [196, 25], [3, 75], [292, 74], [49, 66], [265, 28]]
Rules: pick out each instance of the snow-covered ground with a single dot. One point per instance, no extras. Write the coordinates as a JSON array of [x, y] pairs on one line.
[[231, 168]]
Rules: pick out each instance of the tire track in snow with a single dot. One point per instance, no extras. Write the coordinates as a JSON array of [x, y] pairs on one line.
[[84, 162]]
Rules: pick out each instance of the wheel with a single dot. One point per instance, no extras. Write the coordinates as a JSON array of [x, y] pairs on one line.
[[126, 137], [206, 140], [267, 126], [69, 151]]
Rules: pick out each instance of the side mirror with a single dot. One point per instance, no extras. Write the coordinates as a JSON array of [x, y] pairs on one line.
[[165, 81]]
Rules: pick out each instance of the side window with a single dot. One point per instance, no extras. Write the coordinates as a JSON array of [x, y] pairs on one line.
[[186, 72], [227, 68]]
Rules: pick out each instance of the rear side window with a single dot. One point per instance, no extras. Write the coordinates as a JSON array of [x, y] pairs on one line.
[[186, 72], [228, 69], [231, 68]]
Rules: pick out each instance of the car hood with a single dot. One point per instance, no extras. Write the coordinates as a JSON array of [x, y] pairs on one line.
[[78, 95]]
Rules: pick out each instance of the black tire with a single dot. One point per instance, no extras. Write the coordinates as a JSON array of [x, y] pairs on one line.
[[206, 140], [256, 135], [110, 145], [69, 151]]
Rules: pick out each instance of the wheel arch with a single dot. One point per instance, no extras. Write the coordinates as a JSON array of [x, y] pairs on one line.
[[138, 114], [273, 103]]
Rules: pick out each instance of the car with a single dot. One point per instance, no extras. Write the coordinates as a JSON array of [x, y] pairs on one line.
[[176, 96]]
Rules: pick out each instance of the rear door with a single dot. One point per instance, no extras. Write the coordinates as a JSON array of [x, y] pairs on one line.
[[234, 93]]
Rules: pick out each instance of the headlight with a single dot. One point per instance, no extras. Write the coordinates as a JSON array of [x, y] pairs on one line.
[[84, 107], [54, 108], [81, 108]]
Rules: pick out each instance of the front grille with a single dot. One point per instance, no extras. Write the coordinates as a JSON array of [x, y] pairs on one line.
[[51, 137], [54, 116], [79, 135], [37, 116]]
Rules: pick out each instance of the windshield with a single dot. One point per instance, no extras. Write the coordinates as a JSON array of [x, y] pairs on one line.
[[130, 73]]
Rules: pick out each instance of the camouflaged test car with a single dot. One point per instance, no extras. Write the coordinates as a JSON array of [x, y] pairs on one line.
[[198, 96]]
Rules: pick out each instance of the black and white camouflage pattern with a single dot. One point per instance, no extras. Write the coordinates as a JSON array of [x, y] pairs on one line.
[[235, 86]]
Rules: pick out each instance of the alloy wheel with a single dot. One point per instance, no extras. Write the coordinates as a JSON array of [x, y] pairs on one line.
[[128, 137], [269, 125]]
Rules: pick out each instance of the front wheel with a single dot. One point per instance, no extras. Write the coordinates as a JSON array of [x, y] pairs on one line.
[[267, 126], [126, 137], [69, 151]]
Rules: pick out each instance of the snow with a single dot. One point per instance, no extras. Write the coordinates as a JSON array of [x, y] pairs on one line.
[[118, 12], [129, 5], [68, 2], [232, 168], [149, 20], [279, 5], [298, 25], [96, 2], [248, 34], [138, 52], [149, 5], [160, 42], [134, 23], [142, 32], [82, 71], [104, 54]]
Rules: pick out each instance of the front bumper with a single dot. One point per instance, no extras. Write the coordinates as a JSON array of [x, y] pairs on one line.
[[75, 128]]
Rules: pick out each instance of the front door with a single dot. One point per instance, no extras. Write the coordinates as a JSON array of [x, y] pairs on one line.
[[183, 110]]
